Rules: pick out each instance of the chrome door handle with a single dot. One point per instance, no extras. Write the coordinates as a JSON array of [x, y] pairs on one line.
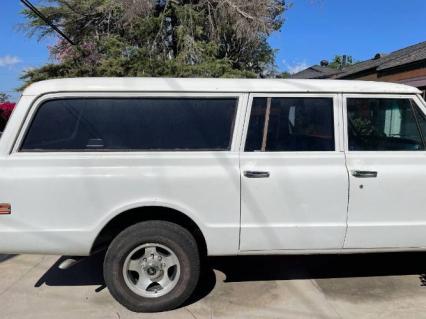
[[364, 174], [256, 174]]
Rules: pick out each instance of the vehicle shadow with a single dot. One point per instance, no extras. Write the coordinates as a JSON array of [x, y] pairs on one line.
[[88, 271], [5, 257], [291, 267]]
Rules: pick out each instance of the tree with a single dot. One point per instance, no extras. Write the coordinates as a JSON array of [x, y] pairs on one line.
[[6, 109], [208, 38], [4, 97], [340, 61]]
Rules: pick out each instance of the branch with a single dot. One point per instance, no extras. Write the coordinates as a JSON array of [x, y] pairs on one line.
[[241, 12]]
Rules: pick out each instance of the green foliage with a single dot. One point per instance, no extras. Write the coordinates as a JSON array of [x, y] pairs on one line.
[[338, 61], [4, 97], [284, 75], [181, 38]]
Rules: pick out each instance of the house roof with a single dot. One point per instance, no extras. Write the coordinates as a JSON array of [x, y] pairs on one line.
[[411, 54], [203, 85], [315, 72], [418, 54], [397, 58]]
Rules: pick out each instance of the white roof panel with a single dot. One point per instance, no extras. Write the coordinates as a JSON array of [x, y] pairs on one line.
[[214, 85]]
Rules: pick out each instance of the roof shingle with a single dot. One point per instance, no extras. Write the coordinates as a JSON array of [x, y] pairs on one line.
[[315, 72], [411, 54], [397, 58]]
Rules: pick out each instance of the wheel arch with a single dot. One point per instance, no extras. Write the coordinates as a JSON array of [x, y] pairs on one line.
[[139, 213]]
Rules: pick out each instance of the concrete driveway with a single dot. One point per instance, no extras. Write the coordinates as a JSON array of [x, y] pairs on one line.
[[345, 286]]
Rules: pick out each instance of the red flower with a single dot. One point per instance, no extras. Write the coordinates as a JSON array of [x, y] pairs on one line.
[[6, 109]]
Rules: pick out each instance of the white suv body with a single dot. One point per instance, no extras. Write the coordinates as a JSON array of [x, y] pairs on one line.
[[62, 200], [291, 166]]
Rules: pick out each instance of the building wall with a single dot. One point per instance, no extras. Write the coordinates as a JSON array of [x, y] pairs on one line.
[[393, 77], [368, 77], [404, 75]]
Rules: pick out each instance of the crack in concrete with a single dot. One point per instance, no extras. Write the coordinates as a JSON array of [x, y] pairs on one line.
[[192, 314]]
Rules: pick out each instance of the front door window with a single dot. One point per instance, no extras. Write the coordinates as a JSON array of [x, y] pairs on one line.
[[382, 124]]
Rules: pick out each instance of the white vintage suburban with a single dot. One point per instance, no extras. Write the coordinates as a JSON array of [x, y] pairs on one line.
[[162, 172]]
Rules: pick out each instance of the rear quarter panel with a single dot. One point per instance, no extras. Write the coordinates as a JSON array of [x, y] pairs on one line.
[[61, 200]]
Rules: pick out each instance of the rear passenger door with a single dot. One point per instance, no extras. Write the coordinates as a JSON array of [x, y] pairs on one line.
[[386, 159], [294, 183]]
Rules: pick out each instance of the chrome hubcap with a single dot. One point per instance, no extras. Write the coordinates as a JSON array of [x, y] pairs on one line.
[[151, 270]]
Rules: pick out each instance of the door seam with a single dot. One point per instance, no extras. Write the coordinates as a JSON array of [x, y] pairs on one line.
[[348, 201], [241, 150], [344, 140]]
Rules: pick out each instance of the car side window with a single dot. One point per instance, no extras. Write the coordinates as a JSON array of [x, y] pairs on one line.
[[290, 124], [383, 124], [421, 118], [132, 124]]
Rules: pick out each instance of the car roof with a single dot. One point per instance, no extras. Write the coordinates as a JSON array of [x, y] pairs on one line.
[[214, 85]]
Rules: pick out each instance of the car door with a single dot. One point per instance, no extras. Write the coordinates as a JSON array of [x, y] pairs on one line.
[[386, 159], [294, 183]]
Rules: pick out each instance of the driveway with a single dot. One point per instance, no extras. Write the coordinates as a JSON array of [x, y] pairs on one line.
[[345, 286]]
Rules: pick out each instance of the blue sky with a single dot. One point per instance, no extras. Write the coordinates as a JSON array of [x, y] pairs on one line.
[[313, 30], [319, 29]]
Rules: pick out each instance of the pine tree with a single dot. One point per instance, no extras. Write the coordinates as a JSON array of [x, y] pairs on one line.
[[202, 38]]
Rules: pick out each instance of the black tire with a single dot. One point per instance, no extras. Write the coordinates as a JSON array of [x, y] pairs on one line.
[[168, 234]]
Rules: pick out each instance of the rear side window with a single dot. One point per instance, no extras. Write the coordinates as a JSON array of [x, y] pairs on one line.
[[421, 118], [291, 124], [384, 124], [157, 124]]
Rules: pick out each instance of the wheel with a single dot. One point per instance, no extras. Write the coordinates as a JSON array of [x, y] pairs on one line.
[[152, 266]]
